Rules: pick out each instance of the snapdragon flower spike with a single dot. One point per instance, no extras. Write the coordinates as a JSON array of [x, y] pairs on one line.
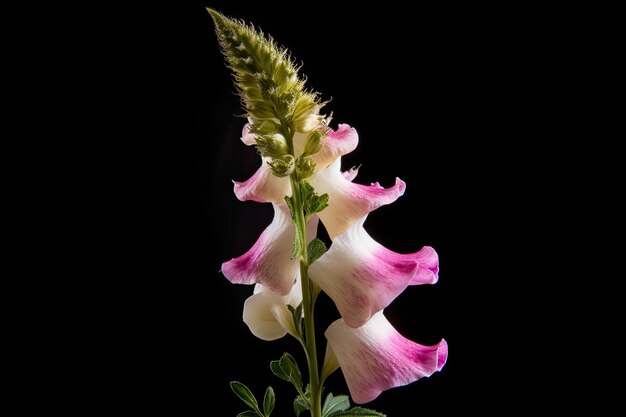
[[375, 357], [266, 314], [363, 277], [269, 261]]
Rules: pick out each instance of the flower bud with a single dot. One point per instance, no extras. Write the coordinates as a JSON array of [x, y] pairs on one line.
[[283, 166], [314, 141], [305, 167], [273, 146]]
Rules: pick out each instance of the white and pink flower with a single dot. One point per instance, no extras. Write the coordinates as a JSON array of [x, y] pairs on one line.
[[375, 357], [269, 261], [363, 277]]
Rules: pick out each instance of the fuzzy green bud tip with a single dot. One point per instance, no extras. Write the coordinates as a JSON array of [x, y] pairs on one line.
[[266, 77]]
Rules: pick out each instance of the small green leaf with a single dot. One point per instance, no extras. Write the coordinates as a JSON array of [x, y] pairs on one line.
[[248, 414], [299, 240], [289, 365], [299, 405], [269, 401], [296, 316], [278, 370], [358, 412], [315, 250], [244, 394], [312, 202], [335, 404]]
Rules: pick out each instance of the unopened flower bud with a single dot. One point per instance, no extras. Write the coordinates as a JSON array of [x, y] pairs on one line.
[[283, 166], [305, 167], [273, 146], [314, 141]]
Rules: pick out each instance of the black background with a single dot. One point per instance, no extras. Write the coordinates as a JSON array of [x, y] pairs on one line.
[[439, 97]]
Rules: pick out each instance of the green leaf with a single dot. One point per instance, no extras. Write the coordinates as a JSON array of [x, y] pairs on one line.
[[244, 394], [278, 370], [335, 404], [296, 316], [299, 240], [315, 250], [299, 405], [249, 414], [269, 401], [312, 202], [358, 412], [289, 365]]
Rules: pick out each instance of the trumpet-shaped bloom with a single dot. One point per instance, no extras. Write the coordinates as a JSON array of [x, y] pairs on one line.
[[349, 201], [375, 357], [269, 261], [362, 277], [266, 313]]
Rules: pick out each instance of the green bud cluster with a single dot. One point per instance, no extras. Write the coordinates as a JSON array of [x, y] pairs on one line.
[[267, 79]]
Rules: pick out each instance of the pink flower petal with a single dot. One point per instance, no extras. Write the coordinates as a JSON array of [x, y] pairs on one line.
[[269, 261], [362, 277], [263, 187], [348, 201], [375, 357], [337, 143], [428, 272]]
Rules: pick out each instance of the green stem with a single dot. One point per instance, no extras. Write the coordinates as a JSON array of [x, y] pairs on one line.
[[308, 294]]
